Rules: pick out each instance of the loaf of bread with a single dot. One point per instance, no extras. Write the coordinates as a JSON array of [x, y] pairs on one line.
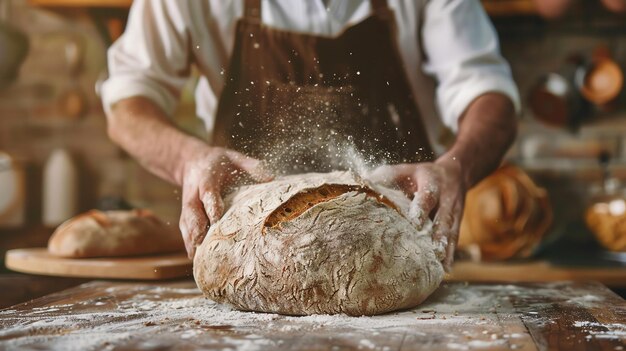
[[607, 221], [506, 216], [114, 234], [318, 243]]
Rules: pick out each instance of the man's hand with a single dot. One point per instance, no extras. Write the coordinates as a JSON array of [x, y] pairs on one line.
[[486, 130], [204, 175], [438, 191], [142, 128]]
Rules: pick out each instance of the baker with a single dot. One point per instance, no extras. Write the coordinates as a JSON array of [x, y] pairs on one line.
[[296, 79]]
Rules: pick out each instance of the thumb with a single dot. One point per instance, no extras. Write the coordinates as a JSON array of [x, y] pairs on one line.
[[255, 168], [385, 174], [259, 172], [416, 213], [193, 221], [213, 205]]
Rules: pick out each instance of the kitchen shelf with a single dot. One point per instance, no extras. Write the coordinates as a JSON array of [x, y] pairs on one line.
[[507, 8], [495, 8], [82, 3]]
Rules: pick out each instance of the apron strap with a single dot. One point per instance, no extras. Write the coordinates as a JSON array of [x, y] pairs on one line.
[[252, 9], [378, 5]]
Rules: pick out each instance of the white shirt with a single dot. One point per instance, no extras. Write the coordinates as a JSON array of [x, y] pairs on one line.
[[164, 37]]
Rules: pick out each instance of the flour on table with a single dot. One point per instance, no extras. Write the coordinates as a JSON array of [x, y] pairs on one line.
[[150, 316]]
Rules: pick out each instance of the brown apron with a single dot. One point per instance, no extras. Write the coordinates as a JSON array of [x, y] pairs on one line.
[[312, 103]]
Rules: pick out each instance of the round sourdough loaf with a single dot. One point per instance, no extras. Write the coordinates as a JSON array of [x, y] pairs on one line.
[[318, 244]]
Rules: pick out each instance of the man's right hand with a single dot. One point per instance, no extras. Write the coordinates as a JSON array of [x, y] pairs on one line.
[[141, 128], [204, 174]]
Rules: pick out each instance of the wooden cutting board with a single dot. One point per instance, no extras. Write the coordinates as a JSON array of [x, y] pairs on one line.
[[39, 261]]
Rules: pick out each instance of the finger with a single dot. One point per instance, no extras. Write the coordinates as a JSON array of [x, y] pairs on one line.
[[428, 186], [426, 198], [446, 230], [389, 174], [382, 174], [443, 223], [422, 205], [213, 204], [418, 211], [258, 171], [193, 221], [453, 237], [447, 262]]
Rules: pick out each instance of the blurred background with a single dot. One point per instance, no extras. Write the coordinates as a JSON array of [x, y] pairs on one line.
[[559, 201]]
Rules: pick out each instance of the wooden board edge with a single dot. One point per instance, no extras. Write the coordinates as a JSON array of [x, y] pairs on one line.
[[533, 272], [16, 260]]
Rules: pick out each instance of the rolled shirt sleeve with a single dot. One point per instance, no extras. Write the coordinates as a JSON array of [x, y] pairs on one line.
[[462, 52], [151, 59]]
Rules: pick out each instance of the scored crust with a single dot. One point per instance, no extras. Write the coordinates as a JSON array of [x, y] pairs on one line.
[[302, 201]]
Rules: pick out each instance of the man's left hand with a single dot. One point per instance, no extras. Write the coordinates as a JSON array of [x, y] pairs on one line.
[[438, 190]]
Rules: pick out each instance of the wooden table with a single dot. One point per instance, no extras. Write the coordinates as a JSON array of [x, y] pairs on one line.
[[174, 315], [17, 288]]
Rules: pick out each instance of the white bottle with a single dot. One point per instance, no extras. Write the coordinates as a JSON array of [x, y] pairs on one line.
[[60, 188], [12, 192]]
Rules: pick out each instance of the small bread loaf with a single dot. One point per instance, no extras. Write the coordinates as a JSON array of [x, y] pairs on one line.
[[506, 216], [113, 234], [607, 221]]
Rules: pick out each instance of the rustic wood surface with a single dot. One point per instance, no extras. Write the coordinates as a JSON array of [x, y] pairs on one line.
[[459, 316], [18, 288]]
